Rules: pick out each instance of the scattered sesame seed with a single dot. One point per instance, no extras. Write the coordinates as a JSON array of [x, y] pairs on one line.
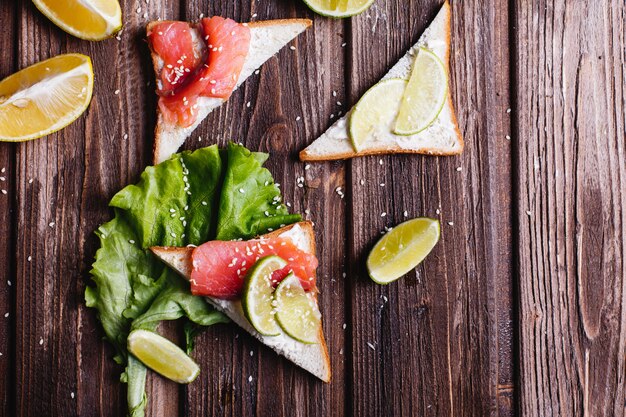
[[405, 214], [241, 190], [383, 214], [30, 258], [145, 15], [9, 283], [173, 234], [251, 353], [334, 93], [138, 9], [51, 224], [508, 111], [343, 45], [248, 104], [341, 351], [382, 184], [254, 15], [343, 274], [3, 191], [451, 223], [6, 314], [528, 212], [339, 103], [298, 119], [125, 135], [30, 181], [380, 162], [344, 326], [307, 166], [41, 341], [438, 211], [257, 72], [204, 203], [307, 211], [293, 48], [508, 137], [72, 394], [3, 170], [132, 242], [371, 346], [332, 115], [250, 378], [116, 92]]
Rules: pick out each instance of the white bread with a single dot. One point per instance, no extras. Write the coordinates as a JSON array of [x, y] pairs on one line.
[[443, 137], [311, 357], [266, 39]]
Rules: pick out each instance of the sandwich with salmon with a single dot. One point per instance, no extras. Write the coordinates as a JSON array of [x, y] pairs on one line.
[[266, 286], [199, 65]]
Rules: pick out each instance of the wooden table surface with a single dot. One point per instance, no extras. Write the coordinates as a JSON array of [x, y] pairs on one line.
[[521, 307]]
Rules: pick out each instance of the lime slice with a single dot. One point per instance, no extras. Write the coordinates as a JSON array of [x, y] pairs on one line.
[[424, 96], [339, 8], [257, 295], [402, 249], [162, 356], [44, 97], [376, 112], [92, 20], [297, 312]]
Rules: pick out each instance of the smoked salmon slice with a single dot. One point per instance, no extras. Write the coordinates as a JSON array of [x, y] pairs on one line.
[[208, 67], [219, 267]]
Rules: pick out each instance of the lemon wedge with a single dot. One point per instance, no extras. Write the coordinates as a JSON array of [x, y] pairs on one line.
[[45, 97], [92, 20]]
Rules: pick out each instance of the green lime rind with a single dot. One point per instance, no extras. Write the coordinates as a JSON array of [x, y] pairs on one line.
[[257, 295], [297, 313], [162, 356], [402, 249]]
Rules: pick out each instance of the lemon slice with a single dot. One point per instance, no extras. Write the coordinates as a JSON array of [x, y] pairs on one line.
[[375, 113], [296, 311], [402, 249], [92, 20], [424, 96], [162, 356], [339, 8], [44, 97], [257, 295]]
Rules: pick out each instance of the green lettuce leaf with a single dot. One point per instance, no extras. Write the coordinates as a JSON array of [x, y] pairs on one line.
[[189, 199]]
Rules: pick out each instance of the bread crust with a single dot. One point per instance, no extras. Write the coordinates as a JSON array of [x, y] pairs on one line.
[[306, 156]]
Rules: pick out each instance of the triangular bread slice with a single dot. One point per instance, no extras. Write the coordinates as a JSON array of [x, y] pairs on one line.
[[311, 357], [266, 39], [443, 137]]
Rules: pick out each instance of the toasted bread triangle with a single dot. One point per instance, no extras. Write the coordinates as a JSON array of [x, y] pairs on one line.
[[443, 137], [267, 38], [313, 358]]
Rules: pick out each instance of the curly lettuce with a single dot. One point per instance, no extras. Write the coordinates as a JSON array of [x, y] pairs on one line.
[[189, 199]]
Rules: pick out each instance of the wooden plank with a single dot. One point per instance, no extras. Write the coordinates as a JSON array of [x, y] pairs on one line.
[[290, 101], [571, 111], [437, 342], [65, 182], [7, 199]]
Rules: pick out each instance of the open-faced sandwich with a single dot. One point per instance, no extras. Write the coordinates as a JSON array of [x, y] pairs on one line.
[[254, 264], [199, 65], [409, 111]]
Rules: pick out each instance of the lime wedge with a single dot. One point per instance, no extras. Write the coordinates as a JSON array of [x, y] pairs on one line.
[[44, 97], [257, 295], [162, 356], [296, 312], [424, 96], [402, 249], [375, 113], [339, 8]]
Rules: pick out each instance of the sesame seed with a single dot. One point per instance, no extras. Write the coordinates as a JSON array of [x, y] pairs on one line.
[[138, 9], [334, 93], [298, 118], [204, 203], [307, 166], [293, 48], [344, 326], [508, 137], [382, 184], [248, 104], [371, 346], [30, 258], [3, 191], [459, 169], [116, 92], [173, 234], [125, 136], [257, 72], [8, 283], [362, 182], [41, 341], [172, 210], [508, 111], [251, 353], [6, 314], [250, 378], [51, 224], [451, 223], [383, 214], [380, 162], [132, 242], [241, 190], [72, 394], [438, 211], [405, 214], [528, 212], [254, 15], [343, 45], [145, 15]]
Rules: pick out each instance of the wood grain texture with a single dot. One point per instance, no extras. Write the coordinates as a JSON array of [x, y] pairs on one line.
[[7, 197], [437, 342], [572, 207]]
